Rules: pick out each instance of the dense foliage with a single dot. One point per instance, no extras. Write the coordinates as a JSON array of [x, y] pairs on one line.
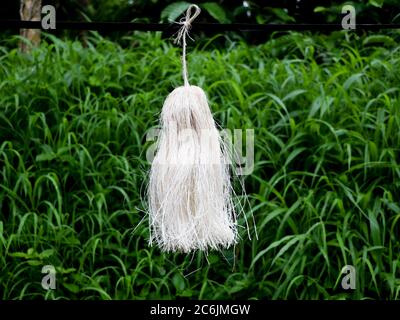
[[324, 191]]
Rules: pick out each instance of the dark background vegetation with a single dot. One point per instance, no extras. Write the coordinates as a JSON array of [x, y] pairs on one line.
[[232, 11], [258, 11]]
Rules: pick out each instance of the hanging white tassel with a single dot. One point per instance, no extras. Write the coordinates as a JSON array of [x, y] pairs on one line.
[[190, 205]]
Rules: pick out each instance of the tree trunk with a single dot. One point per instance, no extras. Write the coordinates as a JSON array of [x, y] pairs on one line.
[[83, 33], [30, 10]]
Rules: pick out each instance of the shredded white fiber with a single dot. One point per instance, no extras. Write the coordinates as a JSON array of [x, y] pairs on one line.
[[190, 194], [189, 190]]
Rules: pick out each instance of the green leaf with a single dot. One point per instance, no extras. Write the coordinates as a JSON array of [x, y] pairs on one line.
[[46, 254], [174, 10], [34, 263], [19, 255], [293, 94], [45, 157], [178, 282], [71, 287], [355, 78], [320, 9], [95, 82], [186, 293], [379, 39], [216, 11], [290, 243], [376, 3], [61, 270], [282, 15]]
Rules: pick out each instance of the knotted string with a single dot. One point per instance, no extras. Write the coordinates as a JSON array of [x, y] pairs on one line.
[[181, 37]]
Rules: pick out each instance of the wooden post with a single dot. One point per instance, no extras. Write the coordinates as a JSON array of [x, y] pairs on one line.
[[30, 10]]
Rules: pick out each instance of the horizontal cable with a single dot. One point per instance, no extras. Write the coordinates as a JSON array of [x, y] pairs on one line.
[[208, 27]]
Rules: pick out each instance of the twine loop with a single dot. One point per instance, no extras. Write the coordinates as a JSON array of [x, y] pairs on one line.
[[186, 24]]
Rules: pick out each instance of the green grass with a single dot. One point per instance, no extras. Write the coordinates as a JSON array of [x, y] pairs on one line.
[[324, 191]]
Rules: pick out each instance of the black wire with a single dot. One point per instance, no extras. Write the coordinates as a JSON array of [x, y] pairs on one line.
[[208, 27]]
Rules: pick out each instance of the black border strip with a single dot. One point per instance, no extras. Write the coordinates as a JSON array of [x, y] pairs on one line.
[[144, 309], [209, 27]]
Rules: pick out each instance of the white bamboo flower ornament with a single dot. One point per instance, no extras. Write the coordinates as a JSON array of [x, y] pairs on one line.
[[189, 193]]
